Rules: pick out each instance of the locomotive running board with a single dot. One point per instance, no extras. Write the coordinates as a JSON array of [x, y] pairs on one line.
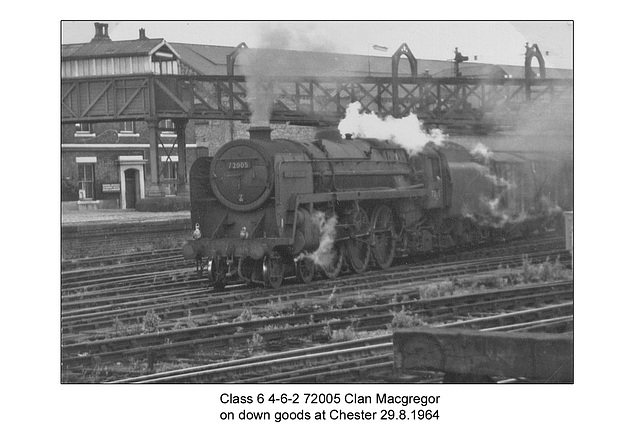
[[385, 194]]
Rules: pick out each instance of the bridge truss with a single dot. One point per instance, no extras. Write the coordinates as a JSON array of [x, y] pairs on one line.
[[454, 102]]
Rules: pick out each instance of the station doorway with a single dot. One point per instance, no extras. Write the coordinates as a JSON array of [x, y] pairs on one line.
[[131, 188], [131, 180]]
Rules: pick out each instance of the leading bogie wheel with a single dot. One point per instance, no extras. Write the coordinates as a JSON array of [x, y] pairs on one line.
[[216, 274], [273, 270]]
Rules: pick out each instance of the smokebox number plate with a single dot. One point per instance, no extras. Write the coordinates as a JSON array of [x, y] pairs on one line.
[[239, 165]]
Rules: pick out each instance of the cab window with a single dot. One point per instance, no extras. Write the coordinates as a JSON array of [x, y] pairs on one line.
[[436, 174], [418, 167]]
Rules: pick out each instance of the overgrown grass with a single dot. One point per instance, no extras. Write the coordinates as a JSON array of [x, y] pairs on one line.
[[150, 322], [544, 271], [245, 316], [255, 345], [185, 323], [439, 289], [342, 335], [333, 300], [404, 319], [122, 329], [504, 276]]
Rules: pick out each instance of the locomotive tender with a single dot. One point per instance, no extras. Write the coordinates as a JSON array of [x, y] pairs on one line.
[[264, 208]]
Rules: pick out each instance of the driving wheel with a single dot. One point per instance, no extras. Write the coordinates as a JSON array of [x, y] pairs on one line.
[[333, 269], [305, 270], [383, 236], [359, 244]]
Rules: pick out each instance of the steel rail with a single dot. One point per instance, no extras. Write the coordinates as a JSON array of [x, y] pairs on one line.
[[254, 294], [71, 264], [186, 339], [345, 365], [204, 306]]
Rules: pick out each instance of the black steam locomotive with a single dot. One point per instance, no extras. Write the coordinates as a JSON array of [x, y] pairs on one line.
[[264, 208]]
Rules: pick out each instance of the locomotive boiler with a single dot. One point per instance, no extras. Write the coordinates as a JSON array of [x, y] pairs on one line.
[[264, 208]]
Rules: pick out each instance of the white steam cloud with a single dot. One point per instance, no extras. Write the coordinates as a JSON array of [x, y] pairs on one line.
[[324, 254], [497, 181], [481, 152], [407, 131], [501, 216]]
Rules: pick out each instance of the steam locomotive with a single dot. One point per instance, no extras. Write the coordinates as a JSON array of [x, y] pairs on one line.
[[264, 208]]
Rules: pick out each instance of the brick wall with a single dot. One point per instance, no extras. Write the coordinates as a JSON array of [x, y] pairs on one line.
[[215, 133], [102, 240], [107, 133], [107, 169]]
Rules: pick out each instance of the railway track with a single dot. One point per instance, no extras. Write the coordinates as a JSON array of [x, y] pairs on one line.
[[83, 280], [199, 306], [314, 326], [98, 309], [130, 275], [196, 325], [115, 259], [359, 359]]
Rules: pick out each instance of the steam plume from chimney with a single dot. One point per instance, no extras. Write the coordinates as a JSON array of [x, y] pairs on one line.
[[407, 131], [264, 64]]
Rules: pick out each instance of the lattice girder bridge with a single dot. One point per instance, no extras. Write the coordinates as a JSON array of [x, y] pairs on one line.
[[455, 102]]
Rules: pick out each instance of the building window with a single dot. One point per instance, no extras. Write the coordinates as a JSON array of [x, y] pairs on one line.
[[86, 177], [84, 129], [169, 173], [173, 170], [128, 127], [167, 128], [170, 169]]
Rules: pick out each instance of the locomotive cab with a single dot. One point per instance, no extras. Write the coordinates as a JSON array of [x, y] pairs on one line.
[[430, 169]]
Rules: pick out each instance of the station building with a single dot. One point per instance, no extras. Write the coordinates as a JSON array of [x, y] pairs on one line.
[[107, 165]]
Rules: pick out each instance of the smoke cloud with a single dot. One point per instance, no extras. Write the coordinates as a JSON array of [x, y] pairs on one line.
[[407, 132], [273, 59], [306, 38]]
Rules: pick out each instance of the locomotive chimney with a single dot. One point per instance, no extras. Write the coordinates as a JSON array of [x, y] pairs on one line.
[[260, 132]]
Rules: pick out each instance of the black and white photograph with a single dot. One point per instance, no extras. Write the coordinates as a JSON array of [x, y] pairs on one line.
[[297, 207]]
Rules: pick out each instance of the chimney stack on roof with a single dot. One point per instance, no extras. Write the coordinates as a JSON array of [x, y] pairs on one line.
[[142, 37], [102, 32]]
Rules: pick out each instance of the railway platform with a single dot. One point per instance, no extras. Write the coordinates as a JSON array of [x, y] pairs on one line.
[[92, 233], [106, 216]]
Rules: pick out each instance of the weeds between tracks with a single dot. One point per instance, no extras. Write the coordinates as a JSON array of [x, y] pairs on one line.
[[266, 318]]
